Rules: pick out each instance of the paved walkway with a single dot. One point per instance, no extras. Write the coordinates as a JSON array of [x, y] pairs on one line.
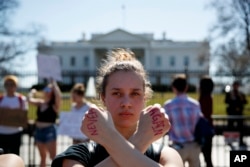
[[220, 152]]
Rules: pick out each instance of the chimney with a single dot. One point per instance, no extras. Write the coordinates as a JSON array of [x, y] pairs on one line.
[[83, 36], [164, 35]]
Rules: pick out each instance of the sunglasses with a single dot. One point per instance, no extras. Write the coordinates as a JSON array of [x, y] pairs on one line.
[[47, 89], [10, 84]]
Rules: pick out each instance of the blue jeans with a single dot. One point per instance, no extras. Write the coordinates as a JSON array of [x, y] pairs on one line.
[[45, 135]]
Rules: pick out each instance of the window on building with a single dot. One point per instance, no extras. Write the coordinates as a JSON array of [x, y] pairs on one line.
[[72, 61], [140, 53], [186, 61], [172, 61], [201, 62], [61, 60], [141, 59], [158, 61], [86, 61]]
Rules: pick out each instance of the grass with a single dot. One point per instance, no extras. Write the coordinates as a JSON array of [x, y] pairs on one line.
[[219, 107]]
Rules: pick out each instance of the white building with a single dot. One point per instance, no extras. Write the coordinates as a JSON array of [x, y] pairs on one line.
[[162, 57]]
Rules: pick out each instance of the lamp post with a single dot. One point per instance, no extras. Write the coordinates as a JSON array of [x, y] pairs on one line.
[[186, 72]]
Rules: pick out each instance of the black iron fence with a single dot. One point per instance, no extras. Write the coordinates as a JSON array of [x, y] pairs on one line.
[[224, 141]]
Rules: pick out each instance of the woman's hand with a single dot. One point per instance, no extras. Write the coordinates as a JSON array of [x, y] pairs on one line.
[[32, 93], [98, 125], [153, 124]]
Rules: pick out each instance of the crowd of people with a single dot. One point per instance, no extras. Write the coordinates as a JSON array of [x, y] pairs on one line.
[[123, 130]]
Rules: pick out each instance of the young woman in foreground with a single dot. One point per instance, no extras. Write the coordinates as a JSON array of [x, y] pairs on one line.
[[123, 132]]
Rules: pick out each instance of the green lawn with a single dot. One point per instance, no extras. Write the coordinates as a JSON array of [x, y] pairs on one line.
[[218, 99], [219, 107]]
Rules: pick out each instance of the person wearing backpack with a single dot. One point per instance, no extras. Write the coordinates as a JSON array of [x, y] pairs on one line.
[[184, 112], [10, 136]]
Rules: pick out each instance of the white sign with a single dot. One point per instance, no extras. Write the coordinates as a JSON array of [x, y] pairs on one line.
[[231, 137], [48, 66], [70, 125]]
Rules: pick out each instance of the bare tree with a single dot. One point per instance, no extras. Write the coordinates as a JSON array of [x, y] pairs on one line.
[[14, 43], [231, 33], [233, 62], [233, 20], [6, 7]]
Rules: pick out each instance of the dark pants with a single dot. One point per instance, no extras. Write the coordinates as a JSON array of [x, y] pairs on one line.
[[10, 143], [206, 150], [237, 125]]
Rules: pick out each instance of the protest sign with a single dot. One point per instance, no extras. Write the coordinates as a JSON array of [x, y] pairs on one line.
[[13, 117], [48, 66], [231, 136], [70, 125]]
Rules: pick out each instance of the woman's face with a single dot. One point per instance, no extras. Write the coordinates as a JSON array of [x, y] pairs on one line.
[[124, 98], [10, 86], [47, 93], [76, 97]]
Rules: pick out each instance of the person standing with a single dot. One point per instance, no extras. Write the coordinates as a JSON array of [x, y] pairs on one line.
[[184, 112], [79, 105], [47, 110], [236, 100], [206, 87], [123, 133], [10, 137]]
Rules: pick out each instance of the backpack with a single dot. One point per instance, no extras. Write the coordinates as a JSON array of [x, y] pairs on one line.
[[203, 130]]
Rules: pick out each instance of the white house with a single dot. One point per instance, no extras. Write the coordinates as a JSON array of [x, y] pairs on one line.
[[161, 57]]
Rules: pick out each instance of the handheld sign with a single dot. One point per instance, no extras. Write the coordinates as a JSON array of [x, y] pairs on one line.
[[13, 117], [231, 137], [70, 125], [48, 66]]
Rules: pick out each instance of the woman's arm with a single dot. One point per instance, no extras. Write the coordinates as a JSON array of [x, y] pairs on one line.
[[10, 160], [58, 95], [170, 158], [123, 152], [71, 163], [32, 100]]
